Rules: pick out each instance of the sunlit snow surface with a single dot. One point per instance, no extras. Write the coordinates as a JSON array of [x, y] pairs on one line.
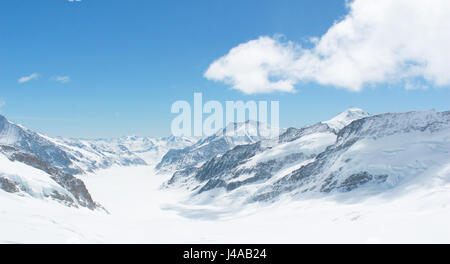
[[142, 213]]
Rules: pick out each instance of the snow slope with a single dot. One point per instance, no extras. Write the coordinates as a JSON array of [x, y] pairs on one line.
[[420, 215], [28, 180]]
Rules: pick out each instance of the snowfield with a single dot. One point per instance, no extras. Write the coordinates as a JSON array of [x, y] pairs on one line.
[[141, 212]]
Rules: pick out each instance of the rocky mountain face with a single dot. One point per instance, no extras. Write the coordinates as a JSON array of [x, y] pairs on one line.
[[351, 151]]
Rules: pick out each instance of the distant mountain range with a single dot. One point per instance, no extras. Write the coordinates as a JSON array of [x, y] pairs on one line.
[[354, 151], [225, 139]]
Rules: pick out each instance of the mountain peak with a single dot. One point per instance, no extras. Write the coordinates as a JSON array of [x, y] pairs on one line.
[[346, 117]]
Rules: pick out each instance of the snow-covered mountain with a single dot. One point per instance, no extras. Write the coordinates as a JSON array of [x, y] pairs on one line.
[[233, 135], [375, 153], [352, 150], [33, 165], [44, 148], [265, 160]]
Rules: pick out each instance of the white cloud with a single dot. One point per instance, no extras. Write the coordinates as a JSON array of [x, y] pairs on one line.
[[379, 41], [28, 78], [61, 79], [252, 67], [2, 103]]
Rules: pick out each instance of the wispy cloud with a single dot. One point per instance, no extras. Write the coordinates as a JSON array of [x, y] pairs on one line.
[[61, 79], [381, 41], [2, 103], [28, 78]]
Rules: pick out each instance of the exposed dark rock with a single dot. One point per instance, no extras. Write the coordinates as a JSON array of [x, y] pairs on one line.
[[212, 184], [227, 162], [8, 186], [355, 180], [65, 199]]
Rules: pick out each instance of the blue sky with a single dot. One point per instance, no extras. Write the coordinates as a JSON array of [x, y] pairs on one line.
[[126, 62]]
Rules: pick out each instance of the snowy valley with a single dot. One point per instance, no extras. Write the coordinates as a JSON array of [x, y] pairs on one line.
[[354, 178]]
